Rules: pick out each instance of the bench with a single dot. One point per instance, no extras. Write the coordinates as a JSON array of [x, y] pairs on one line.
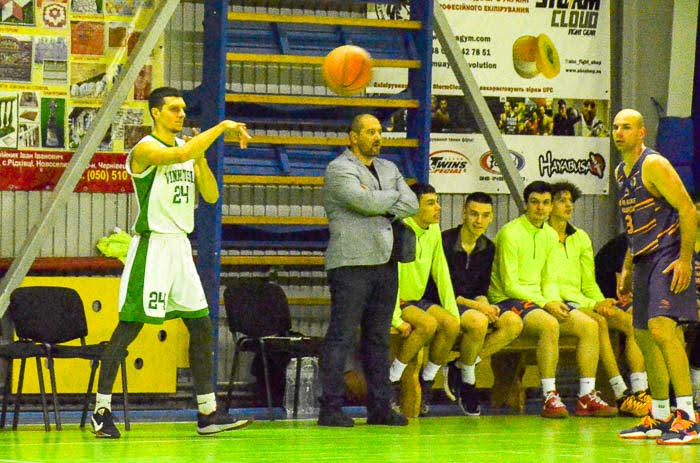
[[508, 373]]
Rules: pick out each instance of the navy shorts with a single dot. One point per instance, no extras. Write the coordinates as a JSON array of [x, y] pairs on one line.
[[572, 305], [423, 304], [652, 290], [518, 306]]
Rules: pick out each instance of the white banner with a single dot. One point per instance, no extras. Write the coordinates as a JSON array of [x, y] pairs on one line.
[[464, 163], [544, 68]]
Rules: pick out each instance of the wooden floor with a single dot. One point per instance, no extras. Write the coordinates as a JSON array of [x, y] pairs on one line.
[[494, 439]]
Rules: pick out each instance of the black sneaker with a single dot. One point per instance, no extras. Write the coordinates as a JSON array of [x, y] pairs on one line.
[[426, 395], [218, 421], [102, 424], [389, 418], [469, 399], [395, 399], [334, 418]]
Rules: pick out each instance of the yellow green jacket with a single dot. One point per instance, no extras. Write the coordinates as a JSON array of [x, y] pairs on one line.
[[576, 275], [430, 261], [525, 263]]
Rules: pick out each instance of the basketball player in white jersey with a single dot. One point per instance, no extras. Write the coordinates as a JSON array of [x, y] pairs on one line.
[[160, 281]]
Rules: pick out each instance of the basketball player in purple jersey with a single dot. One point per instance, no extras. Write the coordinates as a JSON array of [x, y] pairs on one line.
[[660, 221]]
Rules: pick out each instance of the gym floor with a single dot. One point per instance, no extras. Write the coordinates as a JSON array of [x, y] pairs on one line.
[[524, 438]]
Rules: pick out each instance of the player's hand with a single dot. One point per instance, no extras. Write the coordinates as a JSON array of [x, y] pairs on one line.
[[239, 132], [404, 329], [681, 275], [492, 312], [557, 309], [605, 307]]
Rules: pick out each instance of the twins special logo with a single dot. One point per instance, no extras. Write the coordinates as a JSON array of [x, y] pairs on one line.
[[488, 162], [448, 162], [549, 165]]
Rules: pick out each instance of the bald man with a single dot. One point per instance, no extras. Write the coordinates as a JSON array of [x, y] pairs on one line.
[[660, 221]]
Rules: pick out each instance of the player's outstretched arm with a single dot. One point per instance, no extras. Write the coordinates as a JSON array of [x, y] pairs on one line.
[[154, 153]]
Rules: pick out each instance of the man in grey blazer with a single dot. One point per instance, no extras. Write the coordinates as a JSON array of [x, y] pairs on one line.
[[362, 194]]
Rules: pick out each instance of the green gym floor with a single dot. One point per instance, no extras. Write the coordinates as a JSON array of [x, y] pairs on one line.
[[495, 439]]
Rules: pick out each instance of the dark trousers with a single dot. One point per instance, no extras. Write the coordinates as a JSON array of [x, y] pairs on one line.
[[361, 296]]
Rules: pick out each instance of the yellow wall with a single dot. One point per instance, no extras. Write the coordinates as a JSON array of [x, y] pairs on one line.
[[160, 358]]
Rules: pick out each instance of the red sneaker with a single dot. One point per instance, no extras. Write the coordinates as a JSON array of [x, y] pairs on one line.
[[553, 406], [592, 405]]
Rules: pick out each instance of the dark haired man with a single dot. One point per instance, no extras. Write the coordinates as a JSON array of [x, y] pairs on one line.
[[524, 281], [160, 280], [578, 287], [419, 319], [469, 256]]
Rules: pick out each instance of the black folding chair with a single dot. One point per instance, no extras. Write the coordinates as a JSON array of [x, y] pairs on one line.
[[51, 316], [22, 350], [258, 310]]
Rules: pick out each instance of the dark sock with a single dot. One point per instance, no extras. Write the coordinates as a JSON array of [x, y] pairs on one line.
[[123, 335], [201, 356]]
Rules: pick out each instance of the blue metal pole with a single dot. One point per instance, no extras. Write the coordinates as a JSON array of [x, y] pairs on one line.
[[208, 216], [420, 82]]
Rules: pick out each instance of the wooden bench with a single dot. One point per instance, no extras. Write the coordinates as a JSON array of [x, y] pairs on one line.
[[508, 373]]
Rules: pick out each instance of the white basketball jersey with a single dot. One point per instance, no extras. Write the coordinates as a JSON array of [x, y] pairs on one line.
[[165, 195]]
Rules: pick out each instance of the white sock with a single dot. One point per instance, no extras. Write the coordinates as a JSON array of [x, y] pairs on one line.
[[478, 359], [585, 386], [548, 385], [639, 381], [468, 373], [103, 401], [206, 403], [685, 403], [660, 409], [695, 379], [429, 371], [618, 385], [396, 370]]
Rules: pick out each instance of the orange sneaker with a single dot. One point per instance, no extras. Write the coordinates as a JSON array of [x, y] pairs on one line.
[[633, 405], [592, 405], [648, 428], [644, 397], [553, 406], [683, 430]]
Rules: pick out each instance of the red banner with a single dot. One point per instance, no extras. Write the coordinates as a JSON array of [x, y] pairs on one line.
[[27, 170]]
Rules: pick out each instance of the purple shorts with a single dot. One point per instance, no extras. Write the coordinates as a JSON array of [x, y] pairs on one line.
[[652, 290], [518, 306], [423, 304]]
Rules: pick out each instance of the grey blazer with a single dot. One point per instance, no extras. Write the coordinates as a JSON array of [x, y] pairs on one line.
[[357, 210]]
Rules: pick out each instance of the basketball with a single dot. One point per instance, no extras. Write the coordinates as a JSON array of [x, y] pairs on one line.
[[347, 69]]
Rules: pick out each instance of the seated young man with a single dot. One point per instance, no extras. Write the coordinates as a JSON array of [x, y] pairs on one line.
[[578, 287], [523, 280], [470, 258], [421, 321]]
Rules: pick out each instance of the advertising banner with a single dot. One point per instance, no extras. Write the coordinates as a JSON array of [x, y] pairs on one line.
[[544, 68], [58, 61]]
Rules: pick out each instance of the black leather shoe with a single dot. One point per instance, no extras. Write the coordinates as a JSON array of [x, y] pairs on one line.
[[389, 418], [335, 418]]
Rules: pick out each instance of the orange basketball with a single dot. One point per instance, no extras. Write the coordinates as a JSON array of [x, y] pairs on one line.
[[347, 69]]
